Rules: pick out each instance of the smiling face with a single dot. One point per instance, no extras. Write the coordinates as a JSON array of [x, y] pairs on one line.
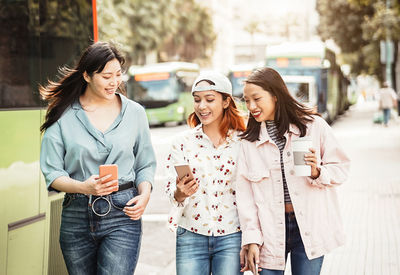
[[105, 83], [209, 105], [259, 102]]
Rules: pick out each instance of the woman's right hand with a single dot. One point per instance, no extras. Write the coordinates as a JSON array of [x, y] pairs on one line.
[[253, 257], [185, 188], [99, 186]]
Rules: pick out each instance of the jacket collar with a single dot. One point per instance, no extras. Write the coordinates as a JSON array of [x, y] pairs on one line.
[[264, 136]]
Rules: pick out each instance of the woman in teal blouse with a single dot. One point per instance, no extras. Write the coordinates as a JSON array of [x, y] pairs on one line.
[[90, 123]]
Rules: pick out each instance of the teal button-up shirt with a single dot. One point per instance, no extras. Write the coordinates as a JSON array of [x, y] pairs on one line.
[[73, 147]]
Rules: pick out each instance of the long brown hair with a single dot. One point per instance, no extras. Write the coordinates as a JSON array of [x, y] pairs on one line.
[[287, 109], [231, 118], [71, 84]]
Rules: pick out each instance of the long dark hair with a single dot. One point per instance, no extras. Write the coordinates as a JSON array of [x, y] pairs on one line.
[[71, 84], [287, 109]]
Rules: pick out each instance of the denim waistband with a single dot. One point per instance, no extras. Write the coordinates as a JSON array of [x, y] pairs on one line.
[[80, 195]]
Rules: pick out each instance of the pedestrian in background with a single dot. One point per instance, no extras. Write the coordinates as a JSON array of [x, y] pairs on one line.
[[387, 100], [204, 209], [279, 211], [90, 123]]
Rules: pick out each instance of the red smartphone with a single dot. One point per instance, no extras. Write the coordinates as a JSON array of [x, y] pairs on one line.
[[183, 170], [109, 169]]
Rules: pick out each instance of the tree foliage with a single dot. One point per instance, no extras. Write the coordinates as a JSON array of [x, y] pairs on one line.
[[175, 29], [193, 35], [357, 27]]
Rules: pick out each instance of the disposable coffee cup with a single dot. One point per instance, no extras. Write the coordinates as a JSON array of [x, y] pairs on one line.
[[300, 147]]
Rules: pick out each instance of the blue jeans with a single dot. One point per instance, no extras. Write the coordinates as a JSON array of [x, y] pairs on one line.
[[99, 245], [386, 115], [202, 255], [300, 264]]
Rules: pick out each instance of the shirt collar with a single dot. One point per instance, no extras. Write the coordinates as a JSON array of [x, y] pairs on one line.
[[264, 136], [231, 136], [80, 114]]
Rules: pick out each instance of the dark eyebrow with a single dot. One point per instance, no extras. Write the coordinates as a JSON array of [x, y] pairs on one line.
[[111, 72], [207, 95]]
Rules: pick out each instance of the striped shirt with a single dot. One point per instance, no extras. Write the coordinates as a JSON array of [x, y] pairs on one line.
[[280, 142]]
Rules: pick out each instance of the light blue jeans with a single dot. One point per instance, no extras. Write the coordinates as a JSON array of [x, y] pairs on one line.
[[386, 115], [203, 255], [93, 245], [300, 264]]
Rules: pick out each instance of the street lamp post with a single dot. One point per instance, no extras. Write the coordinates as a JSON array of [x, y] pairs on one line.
[[389, 50]]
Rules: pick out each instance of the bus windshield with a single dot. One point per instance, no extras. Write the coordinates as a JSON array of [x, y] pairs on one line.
[[165, 90], [299, 90], [154, 93]]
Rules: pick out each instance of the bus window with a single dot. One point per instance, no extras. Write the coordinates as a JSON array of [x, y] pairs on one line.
[[300, 91], [155, 90], [185, 80]]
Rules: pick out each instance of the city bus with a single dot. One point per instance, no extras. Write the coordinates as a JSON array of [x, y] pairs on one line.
[[36, 38], [164, 90], [318, 60]]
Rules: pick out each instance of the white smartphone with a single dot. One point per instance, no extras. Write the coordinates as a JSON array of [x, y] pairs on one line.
[[256, 268], [183, 170]]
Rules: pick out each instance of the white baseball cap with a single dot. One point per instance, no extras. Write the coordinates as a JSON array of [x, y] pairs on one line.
[[221, 83]]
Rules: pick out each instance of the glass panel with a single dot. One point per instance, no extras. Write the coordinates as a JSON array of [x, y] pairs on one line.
[[156, 90], [298, 90], [37, 37], [66, 28], [18, 21]]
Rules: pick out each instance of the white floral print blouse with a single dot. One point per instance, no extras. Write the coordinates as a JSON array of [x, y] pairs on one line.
[[211, 211]]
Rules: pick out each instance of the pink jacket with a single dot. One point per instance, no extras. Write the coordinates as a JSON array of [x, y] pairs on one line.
[[260, 198]]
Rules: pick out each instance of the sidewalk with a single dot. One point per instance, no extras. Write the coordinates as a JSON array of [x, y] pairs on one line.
[[370, 199], [370, 202]]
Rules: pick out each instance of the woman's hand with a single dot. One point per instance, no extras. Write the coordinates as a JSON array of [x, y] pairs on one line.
[[185, 188], [139, 202], [99, 186], [253, 257], [135, 207], [311, 159], [244, 266]]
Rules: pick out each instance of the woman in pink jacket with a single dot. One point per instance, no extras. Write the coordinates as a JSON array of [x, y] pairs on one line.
[[281, 211]]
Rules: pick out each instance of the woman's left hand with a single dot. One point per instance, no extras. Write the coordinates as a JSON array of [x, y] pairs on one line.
[[244, 266], [139, 202], [311, 159]]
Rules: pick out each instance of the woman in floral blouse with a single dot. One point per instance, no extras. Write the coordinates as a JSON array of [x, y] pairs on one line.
[[208, 237]]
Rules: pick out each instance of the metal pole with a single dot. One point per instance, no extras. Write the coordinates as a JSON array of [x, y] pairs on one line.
[[388, 51]]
